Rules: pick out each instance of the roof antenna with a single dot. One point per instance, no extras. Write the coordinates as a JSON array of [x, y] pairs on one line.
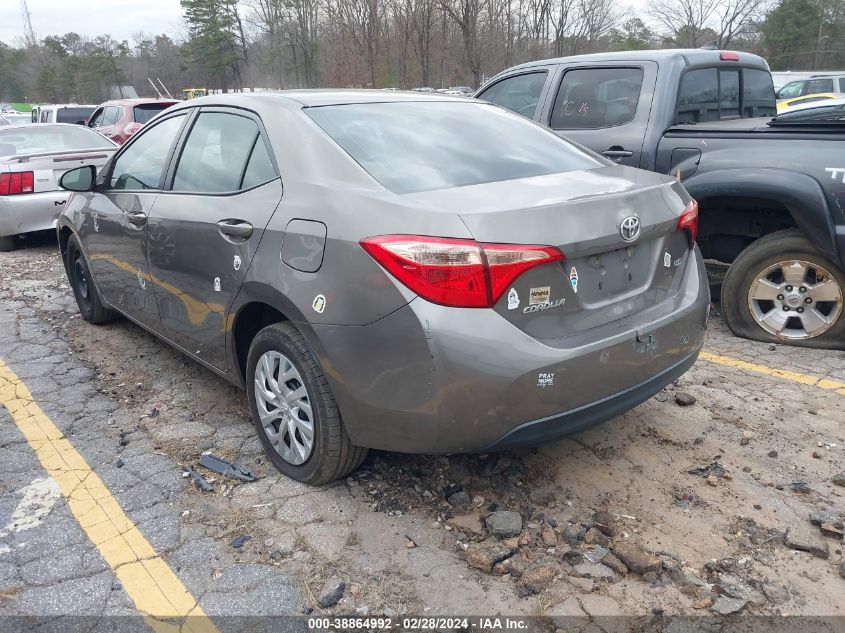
[[710, 46], [154, 88], [163, 87]]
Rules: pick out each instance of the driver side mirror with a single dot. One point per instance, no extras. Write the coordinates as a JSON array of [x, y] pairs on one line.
[[80, 179]]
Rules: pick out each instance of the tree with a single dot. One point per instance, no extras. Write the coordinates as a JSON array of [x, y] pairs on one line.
[[217, 39], [633, 35]]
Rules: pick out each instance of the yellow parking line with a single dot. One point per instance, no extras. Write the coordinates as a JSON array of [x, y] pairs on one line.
[[156, 591], [793, 376]]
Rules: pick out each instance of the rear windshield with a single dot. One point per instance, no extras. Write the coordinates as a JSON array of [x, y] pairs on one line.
[[48, 138], [73, 115], [143, 113], [422, 146]]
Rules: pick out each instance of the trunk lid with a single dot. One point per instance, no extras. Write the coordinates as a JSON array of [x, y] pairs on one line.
[[603, 278], [48, 167]]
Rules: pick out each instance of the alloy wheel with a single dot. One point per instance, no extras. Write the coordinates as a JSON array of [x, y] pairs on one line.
[[284, 407], [795, 300]]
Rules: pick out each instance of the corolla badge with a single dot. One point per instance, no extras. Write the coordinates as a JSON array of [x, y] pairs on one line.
[[629, 228]]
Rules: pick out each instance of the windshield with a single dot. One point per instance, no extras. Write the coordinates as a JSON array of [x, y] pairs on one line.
[[422, 146], [143, 113], [48, 138]]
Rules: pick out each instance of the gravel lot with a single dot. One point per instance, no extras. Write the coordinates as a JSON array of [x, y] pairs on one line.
[[704, 508]]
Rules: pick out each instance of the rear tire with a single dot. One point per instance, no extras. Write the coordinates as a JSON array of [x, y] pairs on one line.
[[88, 299], [7, 243], [281, 349], [785, 316]]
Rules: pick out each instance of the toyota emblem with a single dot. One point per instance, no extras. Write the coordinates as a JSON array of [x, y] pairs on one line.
[[629, 229]]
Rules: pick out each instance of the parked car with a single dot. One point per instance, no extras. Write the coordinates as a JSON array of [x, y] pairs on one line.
[[32, 159], [407, 292], [816, 84], [66, 113], [121, 118], [827, 110], [787, 104], [771, 195]]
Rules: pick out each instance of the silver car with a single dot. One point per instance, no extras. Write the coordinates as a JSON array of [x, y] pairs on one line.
[[32, 159], [391, 270]]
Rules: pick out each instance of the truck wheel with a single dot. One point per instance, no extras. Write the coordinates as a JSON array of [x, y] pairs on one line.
[[782, 290], [7, 243], [294, 410]]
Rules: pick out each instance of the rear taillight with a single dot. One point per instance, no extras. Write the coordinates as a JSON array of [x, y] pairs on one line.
[[15, 183], [729, 56], [131, 128], [456, 272], [689, 221]]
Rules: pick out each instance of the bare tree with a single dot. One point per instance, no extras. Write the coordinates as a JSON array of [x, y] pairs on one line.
[[686, 22]]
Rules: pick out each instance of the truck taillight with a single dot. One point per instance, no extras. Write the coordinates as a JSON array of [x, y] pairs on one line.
[[729, 56], [18, 182], [456, 272], [689, 222]]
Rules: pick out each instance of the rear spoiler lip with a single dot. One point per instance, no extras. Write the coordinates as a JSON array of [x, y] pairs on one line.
[[76, 154]]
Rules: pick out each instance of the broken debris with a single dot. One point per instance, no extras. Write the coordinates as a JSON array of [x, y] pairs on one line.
[[239, 541], [199, 481], [232, 470]]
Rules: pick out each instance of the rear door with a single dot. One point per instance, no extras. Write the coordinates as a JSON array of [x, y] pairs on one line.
[[604, 106], [204, 231]]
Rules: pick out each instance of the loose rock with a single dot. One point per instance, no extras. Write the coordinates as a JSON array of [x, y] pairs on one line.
[[549, 537], [839, 479], [684, 399], [459, 500], [538, 577], [484, 556], [513, 566], [637, 560], [332, 592], [702, 603], [467, 523], [614, 563], [804, 540], [505, 523], [604, 523], [726, 606], [594, 570]]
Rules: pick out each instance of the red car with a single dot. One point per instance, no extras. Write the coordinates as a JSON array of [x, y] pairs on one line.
[[121, 118]]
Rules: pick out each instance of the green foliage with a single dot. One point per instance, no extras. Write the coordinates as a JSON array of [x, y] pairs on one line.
[[805, 34], [633, 35], [215, 37]]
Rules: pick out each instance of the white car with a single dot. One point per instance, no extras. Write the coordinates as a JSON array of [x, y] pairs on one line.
[[62, 113], [32, 159]]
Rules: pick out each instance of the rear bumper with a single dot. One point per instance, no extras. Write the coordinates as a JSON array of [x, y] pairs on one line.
[[30, 212], [429, 379]]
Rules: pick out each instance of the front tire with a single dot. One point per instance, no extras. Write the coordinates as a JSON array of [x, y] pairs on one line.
[[7, 243], [91, 305], [782, 290], [294, 410]]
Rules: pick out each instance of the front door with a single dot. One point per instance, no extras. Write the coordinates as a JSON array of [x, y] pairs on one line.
[[204, 230], [116, 219], [604, 107]]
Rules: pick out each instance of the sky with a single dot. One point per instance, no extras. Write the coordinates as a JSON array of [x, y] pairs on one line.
[[119, 18]]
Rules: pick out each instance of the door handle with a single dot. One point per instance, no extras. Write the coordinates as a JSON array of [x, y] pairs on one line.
[[235, 228], [616, 152], [138, 218]]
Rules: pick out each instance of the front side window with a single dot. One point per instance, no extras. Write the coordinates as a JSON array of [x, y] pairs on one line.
[[791, 90], [519, 94], [411, 146], [141, 164], [97, 118], [111, 116], [215, 154], [592, 98]]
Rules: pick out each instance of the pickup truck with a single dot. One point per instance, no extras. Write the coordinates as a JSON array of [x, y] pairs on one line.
[[771, 191]]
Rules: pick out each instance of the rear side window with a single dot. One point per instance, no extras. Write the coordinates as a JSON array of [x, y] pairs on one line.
[[421, 146], [215, 154], [842, 84], [519, 94], [815, 86], [260, 168], [592, 98], [758, 94], [72, 115]]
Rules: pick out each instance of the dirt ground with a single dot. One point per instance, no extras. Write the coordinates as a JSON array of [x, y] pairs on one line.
[[726, 505]]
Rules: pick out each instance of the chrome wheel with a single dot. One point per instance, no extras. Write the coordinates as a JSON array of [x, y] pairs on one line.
[[795, 300], [284, 407]]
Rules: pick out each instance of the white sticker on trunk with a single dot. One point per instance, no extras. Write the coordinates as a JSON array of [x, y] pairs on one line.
[[573, 279], [545, 380], [539, 295], [513, 299], [667, 259]]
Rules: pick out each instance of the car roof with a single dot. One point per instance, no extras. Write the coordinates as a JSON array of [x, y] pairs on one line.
[[798, 107], [315, 98], [692, 56], [139, 101]]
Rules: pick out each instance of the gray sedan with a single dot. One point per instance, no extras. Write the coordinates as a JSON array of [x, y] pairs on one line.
[[373, 283], [32, 160]]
